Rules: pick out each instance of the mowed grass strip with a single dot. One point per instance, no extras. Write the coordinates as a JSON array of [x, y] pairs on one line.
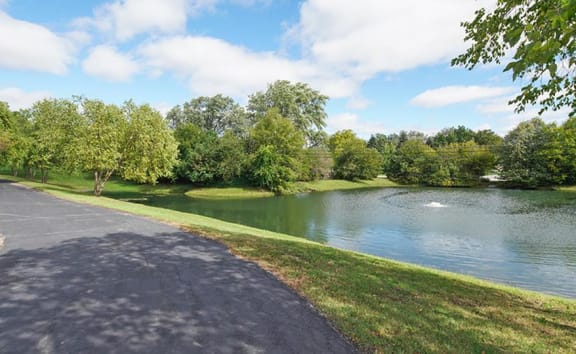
[[243, 192], [387, 306]]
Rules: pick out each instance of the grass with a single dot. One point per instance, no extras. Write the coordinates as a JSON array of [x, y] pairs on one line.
[[84, 183], [228, 193], [382, 305], [567, 189], [338, 184], [240, 192]]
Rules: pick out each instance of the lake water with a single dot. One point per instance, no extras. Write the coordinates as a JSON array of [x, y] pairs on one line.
[[521, 238]]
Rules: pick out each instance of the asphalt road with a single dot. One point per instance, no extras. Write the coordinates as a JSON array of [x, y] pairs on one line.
[[82, 279]]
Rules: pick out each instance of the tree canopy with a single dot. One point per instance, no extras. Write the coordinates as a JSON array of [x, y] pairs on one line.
[[298, 102], [217, 113], [541, 36]]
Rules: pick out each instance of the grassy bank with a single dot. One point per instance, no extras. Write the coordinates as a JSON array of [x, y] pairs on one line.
[[84, 183], [567, 189], [382, 305], [239, 192]]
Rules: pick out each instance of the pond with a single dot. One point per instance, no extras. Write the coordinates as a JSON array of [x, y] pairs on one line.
[[520, 238]]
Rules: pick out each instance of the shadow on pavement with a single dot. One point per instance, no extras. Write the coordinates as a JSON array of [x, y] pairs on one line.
[[128, 293]]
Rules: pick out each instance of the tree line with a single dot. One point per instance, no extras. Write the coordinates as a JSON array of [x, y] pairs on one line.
[[276, 139]]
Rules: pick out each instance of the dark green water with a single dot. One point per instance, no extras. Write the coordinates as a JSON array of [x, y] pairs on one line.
[[520, 238]]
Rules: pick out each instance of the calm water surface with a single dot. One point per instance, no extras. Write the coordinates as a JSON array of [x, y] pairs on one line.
[[521, 238]]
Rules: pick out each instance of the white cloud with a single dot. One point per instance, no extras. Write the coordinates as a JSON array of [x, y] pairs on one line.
[[162, 107], [128, 18], [214, 66], [358, 103], [351, 121], [367, 37], [496, 105], [29, 46], [448, 95], [107, 63], [19, 99]]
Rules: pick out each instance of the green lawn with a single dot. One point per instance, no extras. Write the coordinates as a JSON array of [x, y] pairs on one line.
[[238, 192], [382, 305], [228, 193], [338, 184]]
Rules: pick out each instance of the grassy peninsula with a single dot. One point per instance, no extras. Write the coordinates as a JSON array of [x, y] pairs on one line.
[[236, 192], [383, 305]]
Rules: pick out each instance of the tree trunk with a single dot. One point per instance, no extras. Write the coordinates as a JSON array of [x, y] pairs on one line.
[[98, 184], [44, 173], [15, 172], [100, 179]]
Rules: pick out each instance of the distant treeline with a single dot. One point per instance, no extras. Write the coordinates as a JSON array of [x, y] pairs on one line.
[[277, 138]]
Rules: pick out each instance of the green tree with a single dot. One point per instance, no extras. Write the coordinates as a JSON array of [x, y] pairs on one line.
[[297, 102], [277, 145], [531, 155], [99, 145], [487, 137], [232, 157], [385, 146], [462, 164], [55, 125], [340, 139], [132, 141], [198, 154], [5, 116], [217, 113], [148, 150], [452, 135], [568, 145], [540, 34], [317, 163], [414, 162], [353, 159], [269, 169]]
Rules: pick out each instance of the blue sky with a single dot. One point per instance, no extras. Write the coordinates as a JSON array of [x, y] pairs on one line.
[[384, 64]]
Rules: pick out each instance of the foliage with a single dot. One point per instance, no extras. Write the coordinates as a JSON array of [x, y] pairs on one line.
[[5, 116], [447, 136], [352, 158], [488, 138], [98, 145], [568, 145], [317, 163], [133, 141], [299, 103], [269, 169], [232, 157], [149, 149], [531, 155], [197, 154], [540, 34], [413, 163], [385, 146], [278, 148], [465, 163], [216, 114], [54, 123]]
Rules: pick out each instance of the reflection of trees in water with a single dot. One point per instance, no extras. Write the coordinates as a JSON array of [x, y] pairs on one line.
[[293, 215]]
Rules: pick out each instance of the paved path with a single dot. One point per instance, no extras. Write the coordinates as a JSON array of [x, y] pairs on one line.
[[82, 279]]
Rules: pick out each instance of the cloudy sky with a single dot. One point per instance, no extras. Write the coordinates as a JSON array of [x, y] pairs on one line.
[[385, 64]]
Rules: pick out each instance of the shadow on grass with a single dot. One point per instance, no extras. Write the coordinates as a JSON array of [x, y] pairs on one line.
[[388, 307], [128, 293]]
